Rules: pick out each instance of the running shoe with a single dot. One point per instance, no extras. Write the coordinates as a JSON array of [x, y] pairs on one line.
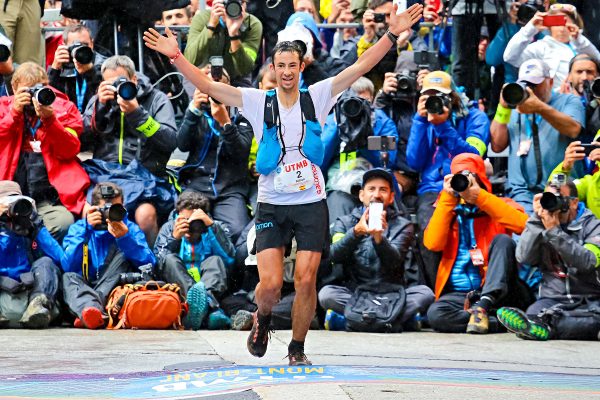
[[197, 300], [479, 322], [258, 339], [517, 322], [334, 321], [298, 358]]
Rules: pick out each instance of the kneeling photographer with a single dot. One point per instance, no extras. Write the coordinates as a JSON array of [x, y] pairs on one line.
[[97, 250], [194, 251], [442, 128], [29, 259]]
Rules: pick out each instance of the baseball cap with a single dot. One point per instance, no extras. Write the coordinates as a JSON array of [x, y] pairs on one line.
[[377, 173], [437, 80], [534, 71], [473, 163], [9, 188], [306, 20]]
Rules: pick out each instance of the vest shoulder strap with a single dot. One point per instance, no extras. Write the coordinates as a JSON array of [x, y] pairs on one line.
[[307, 106], [271, 109]]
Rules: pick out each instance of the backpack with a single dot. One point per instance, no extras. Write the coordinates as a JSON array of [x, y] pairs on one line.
[[145, 305], [376, 307]]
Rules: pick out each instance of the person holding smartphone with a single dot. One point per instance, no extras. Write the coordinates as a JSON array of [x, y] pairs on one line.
[[371, 243], [565, 41]]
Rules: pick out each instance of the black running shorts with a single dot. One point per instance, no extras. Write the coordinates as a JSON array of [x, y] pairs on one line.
[[277, 224]]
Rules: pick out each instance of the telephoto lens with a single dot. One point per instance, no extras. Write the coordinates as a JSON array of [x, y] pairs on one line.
[[20, 208], [125, 88], [460, 182], [233, 8], [514, 94], [116, 213], [595, 88], [81, 53], [553, 202], [435, 104], [43, 94], [4, 53], [352, 107]]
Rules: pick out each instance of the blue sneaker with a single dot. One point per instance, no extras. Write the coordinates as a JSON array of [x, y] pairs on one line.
[[334, 321], [197, 300], [217, 320]]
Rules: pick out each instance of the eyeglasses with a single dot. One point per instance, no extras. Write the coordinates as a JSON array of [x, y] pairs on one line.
[[568, 8]]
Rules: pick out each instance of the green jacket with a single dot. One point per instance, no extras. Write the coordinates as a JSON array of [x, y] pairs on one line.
[[588, 189], [200, 47]]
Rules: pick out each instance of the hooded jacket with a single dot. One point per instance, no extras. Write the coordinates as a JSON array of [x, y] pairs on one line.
[[499, 216], [59, 137], [217, 156], [363, 260], [431, 148], [149, 133], [569, 257], [133, 246]]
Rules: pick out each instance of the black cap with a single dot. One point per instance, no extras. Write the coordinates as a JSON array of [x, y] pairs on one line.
[[378, 173]]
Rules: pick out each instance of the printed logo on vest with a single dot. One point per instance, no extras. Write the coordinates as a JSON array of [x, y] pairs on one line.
[[264, 225]]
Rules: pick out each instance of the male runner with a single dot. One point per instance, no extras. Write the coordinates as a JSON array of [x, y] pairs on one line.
[[291, 186]]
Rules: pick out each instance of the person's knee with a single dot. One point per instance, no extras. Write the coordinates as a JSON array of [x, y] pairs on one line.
[[305, 284], [146, 217], [502, 241], [435, 316], [326, 298]]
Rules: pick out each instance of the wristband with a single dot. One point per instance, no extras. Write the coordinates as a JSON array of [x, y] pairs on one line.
[[175, 57], [236, 37], [391, 36], [211, 28], [502, 114], [194, 110]]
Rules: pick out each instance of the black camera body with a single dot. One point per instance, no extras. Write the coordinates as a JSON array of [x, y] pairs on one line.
[[428, 60], [4, 53], [112, 212], [43, 94], [353, 107], [197, 227], [527, 10], [554, 201], [125, 88], [17, 217], [435, 104], [516, 93], [460, 182], [216, 68], [592, 89], [130, 278], [81, 53], [406, 85], [233, 8], [379, 18]]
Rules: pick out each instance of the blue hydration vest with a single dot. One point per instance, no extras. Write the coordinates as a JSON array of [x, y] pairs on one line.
[[272, 148]]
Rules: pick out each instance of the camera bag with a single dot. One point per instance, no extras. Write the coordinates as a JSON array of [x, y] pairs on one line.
[[376, 307], [145, 305]]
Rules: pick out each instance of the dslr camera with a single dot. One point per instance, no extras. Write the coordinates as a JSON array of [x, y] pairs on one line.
[[406, 84], [79, 52], [528, 9], [144, 275], [592, 90], [233, 8], [112, 212], [125, 88], [17, 217], [553, 200], [461, 182], [435, 104], [516, 93], [43, 94], [197, 227], [428, 60], [4, 53]]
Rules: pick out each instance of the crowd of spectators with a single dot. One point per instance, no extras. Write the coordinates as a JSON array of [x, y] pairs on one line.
[[478, 132]]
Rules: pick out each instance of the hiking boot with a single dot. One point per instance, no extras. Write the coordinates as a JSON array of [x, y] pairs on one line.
[[517, 322], [197, 300], [37, 314], [92, 318], [334, 321], [242, 320], [258, 339], [479, 322], [298, 358], [218, 320]]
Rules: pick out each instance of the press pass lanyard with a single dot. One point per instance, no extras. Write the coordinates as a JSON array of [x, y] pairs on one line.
[[80, 91], [532, 132], [35, 128]]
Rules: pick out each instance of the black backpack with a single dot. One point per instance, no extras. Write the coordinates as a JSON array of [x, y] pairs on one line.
[[376, 307]]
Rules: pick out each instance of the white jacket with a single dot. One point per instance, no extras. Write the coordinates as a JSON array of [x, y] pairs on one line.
[[554, 53]]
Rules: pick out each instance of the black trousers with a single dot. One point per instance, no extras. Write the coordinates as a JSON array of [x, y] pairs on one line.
[[431, 259], [568, 321], [502, 283]]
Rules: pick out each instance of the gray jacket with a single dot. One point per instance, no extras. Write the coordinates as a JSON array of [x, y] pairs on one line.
[[568, 267]]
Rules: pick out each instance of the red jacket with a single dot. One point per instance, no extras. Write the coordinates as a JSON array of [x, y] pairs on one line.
[[59, 137], [503, 215]]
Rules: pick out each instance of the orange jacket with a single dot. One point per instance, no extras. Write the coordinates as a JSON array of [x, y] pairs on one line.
[[503, 215]]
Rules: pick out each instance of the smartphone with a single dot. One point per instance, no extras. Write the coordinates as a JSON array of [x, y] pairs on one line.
[[401, 6], [589, 147], [375, 211], [381, 143], [555, 20]]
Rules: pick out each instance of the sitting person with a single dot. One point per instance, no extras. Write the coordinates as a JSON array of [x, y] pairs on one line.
[[29, 259], [194, 251], [140, 126], [370, 254], [218, 146], [97, 250], [563, 238], [39, 146], [472, 227]]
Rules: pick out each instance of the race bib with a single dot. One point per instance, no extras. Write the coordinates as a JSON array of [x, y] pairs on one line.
[[294, 177]]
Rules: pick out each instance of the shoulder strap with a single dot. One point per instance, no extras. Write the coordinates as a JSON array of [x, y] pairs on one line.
[[307, 106], [271, 109]]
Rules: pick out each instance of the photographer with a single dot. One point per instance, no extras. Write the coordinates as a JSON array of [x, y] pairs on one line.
[[372, 254], [538, 133], [441, 129], [130, 119], [39, 143], [97, 250], [556, 49], [194, 251], [6, 65], [563, 238], [226, 30], [75, 70], [29, 258], [478, 271], [218, 146]]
